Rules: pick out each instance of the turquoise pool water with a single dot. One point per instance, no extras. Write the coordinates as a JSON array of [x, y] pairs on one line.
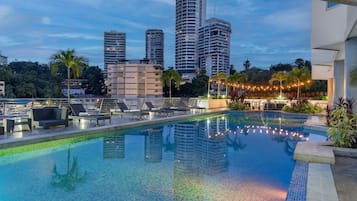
[[238, 156]]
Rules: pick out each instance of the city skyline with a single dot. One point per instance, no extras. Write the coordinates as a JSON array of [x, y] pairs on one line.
[[264, 32]]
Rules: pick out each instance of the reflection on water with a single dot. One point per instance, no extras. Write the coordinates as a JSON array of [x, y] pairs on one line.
[[220, 158], [114, 147], [153, 145], [72, 175]]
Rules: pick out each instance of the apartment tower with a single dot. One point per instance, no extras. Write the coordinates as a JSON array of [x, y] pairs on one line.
[[155, 46], [214, 46], [114, 49], [190, 15], [134, 79]]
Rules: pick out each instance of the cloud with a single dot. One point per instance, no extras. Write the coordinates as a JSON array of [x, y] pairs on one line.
[[169, 2], [9, 18], [132, 24], [46, 20], [91, 48], [289, 19], [5, 11], [6, 41], [76, 36], [90, 3]]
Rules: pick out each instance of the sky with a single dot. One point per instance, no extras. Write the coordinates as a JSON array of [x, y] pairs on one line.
[[263, 31]]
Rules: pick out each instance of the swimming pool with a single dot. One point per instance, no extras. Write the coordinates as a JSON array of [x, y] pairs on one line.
[[235, 156]]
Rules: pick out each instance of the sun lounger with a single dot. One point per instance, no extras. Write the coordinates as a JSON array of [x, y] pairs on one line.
[[124, 110], [159, 111], [79, 113]]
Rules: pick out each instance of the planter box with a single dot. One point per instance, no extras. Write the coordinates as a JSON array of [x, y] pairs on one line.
[[214, 103]]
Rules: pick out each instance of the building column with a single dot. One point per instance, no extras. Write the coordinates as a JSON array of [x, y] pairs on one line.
[[330, 94], [350, 64], [339, 84]]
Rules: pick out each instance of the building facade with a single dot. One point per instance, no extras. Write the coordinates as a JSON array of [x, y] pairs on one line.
[[114, 49], [334, 46], [75, 87], [214, 46], [155, 46], [190, 15], [3, 60], [134, 80]]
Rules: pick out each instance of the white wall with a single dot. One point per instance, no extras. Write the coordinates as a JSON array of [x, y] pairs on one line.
[[328, 24]]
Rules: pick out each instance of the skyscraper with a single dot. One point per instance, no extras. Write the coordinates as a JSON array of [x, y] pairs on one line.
[[214, 46], [155, 46], [190, 15], [114, 49]]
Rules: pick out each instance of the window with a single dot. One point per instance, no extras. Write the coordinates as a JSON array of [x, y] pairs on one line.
[[331, 4]]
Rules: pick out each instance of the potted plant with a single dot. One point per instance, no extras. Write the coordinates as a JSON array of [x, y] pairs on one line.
[[343, 125]]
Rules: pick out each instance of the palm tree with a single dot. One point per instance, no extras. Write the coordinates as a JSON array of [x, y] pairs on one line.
[[219, 78], [71, 61], [298, 76], [280, 77], [237, 78], [353, 77], [246, 65], [168, 76]]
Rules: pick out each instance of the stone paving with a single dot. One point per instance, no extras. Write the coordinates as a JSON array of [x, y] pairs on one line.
[[345, 175]]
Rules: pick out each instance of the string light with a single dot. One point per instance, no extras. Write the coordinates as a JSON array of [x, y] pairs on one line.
[[259, 87]]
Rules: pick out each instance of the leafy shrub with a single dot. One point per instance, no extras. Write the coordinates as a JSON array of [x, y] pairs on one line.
[[302, 107], [343, 125], [237, 106]]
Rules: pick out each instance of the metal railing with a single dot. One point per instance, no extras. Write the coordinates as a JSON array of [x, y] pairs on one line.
[[21, 107]]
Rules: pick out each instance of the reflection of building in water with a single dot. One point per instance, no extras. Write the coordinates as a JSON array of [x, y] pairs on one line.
[[187, 182], [212, 146], [186, 153], [153, 145], [114, 147]]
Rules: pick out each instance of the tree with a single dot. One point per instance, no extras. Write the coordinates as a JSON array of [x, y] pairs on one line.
[[231, 69], [298, 76], [199, 85], [170, 76], [237, 78], [72, 62], [300, 63], [246, 65], [219, 78], [95, 80], [280, 77]]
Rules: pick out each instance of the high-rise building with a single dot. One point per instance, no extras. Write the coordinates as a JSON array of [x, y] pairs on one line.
[[155, 46], [334, 46], [3, 60], [214, 46], [114, 49], [134, 80], [190, 15]]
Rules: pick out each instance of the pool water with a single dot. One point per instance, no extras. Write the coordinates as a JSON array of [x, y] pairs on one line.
[[236, 156]]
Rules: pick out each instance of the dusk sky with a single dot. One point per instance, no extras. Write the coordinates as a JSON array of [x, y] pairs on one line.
[[265, 32]]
